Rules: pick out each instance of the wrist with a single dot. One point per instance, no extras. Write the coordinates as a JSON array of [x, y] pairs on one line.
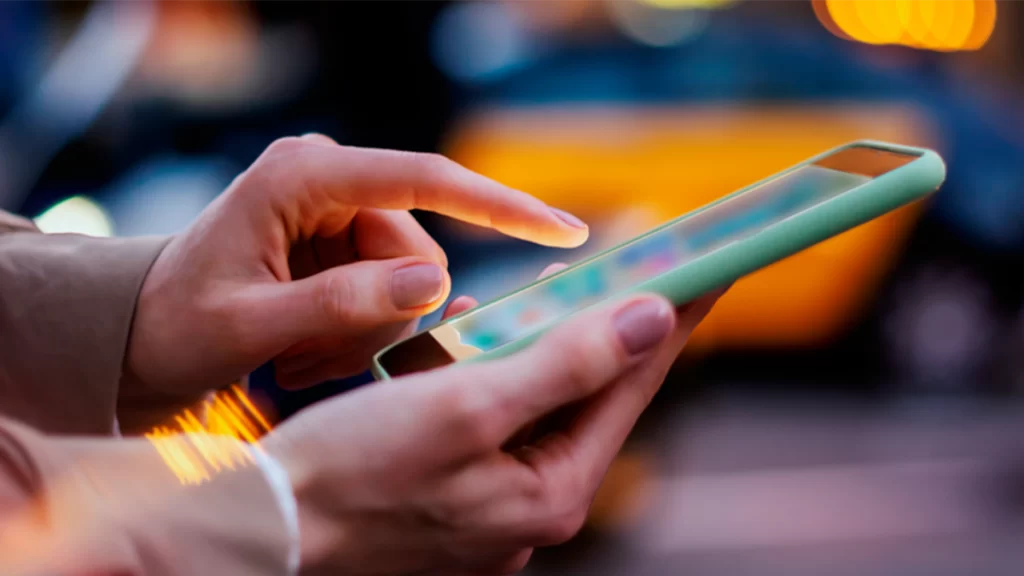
[[164, 368], [140, 366], [215, 507], [319, 537], [277, 476]]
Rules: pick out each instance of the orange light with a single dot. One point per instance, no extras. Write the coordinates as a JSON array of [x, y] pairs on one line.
[[195, 450], [825, 17], [984, 23], [911, 14], [845, 14], [961, 24], [882, 19], [942, 25]]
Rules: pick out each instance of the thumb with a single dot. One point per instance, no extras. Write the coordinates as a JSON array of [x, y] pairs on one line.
[[480, 406], [350, 298]]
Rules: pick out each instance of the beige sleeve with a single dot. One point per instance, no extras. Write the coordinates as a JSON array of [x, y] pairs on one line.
[[85, 507], [66, 307]]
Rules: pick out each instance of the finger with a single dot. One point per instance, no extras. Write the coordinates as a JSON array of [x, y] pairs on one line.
[[335, 367], [523, 435], [404, 181], [381, 234], [375, 234], [318, 373], [463, 303], [688, 316], [346, 299], [599, 430], [458, 306], [318, 138], [552, 269], [569, 464], [481, 405], [338, 356]]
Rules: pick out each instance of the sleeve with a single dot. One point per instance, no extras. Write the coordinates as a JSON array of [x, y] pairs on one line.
[[66, 308], [72, 507]]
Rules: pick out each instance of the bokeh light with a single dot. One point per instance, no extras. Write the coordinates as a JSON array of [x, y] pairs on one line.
[[76, 215], [941, 25], [662, 23], [188, 444], [480, 41], [984, 23], [706, 4], [656, 25]]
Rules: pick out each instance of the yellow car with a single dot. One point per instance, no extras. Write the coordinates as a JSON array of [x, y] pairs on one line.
[[606, 163]]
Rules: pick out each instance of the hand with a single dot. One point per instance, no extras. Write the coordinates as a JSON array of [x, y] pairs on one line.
[[312, 259], [418, 475]]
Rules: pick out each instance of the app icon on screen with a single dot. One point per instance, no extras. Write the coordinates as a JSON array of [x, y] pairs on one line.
[[594, 280], [530, 316], [483, 340]]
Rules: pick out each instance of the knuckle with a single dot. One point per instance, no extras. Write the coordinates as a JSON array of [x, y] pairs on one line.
[[285, 146], [438, 514], [578, 359], [233, 318], [318, 138], [566, 498], [435, 165], [280, 161], [472, 424], [533, 489], [566, 509], [336, 297], [563, 527], [433, 159]]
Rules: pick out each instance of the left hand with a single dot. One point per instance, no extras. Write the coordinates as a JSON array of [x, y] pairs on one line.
[[311, 258], [437, 475]]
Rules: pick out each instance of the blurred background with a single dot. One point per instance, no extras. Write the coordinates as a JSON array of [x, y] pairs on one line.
[[855, 409]]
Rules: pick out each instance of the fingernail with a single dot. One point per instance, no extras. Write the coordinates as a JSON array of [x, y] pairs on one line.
[[643, 325], [416, 285], [568, 218]]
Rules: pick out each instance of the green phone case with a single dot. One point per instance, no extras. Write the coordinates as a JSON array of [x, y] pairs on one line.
[[883, 194]]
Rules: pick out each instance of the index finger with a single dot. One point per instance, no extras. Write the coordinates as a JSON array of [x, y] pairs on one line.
[[389, 179]]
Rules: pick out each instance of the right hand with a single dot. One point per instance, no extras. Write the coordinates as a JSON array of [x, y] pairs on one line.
[[311, 259], [417, 475]]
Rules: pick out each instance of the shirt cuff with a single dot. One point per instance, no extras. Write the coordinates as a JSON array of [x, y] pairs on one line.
[[281, 485], [66, 309]]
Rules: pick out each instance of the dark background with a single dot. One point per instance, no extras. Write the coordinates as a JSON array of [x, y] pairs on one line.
[[927, 376]]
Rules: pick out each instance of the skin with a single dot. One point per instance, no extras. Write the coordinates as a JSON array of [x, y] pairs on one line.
[[461, 470], [467, 469], [293, 263]]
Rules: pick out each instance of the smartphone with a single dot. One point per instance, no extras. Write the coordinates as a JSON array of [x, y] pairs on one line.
[[691, 255]]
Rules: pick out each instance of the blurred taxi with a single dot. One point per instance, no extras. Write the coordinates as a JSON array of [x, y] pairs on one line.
[[611, 164]]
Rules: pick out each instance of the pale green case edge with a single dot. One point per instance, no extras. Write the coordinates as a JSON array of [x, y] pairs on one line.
[[798, 232]]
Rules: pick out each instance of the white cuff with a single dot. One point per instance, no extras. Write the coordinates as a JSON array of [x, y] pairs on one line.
[[277, 477]]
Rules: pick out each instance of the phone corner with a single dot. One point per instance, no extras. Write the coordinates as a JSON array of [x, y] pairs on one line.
[[377, 368]]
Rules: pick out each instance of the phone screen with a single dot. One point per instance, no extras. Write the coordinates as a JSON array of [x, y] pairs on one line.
[[642, 259]]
